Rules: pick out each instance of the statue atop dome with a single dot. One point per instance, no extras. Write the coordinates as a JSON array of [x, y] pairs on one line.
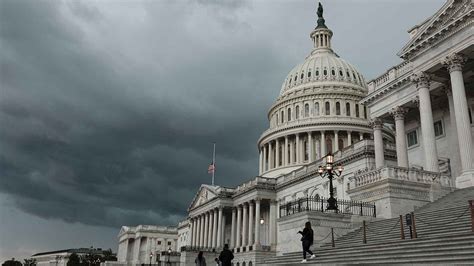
[[321, 21]]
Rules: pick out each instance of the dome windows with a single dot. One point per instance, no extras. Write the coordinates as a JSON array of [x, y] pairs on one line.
[[289, 114], [302, 75], [348, 109], [309, 74], [328, 108], [357, 110], [340, 73], [325, 72], [317, 72], [306, 110], [338, 108], [282, 116], [316, 109], [297, 112], [333, 72]]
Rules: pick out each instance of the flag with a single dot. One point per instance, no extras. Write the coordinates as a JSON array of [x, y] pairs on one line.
[[211, 168]]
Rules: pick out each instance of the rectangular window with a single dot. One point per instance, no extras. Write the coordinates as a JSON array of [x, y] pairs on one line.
[[438, 128], [159, 242], [169, 243], [412, 138]]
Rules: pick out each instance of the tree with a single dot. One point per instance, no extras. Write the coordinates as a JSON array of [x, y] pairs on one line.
[[29, 262], [74, 260], [108, 255], [12, 262]]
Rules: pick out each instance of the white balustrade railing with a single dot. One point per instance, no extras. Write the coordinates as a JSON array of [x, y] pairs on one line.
[[399, 173], [392, 74]]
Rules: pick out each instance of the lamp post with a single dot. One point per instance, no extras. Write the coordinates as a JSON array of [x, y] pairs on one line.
[[151, 257], [169, 255], [329, 172]]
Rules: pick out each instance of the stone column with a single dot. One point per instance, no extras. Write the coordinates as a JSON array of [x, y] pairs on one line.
[[191, 233], [454, 64], [201, 230], [232, 229], [136, 250], [378, 142], [222, 230], [323, 144], [260, 171], [297, 145], [206, 229], [251, 224], [311, 147], [401, 140], [195, 233], [257, 223], [212, 243], [271, 158], [292, 152], [285, 152], [239, 225], [148, 250], [336, 141], [277, 153], [361, 136], [272, 224], [349, 138], [265, 158], [245, 225], [219, 228], [422, 82], [453, 137]]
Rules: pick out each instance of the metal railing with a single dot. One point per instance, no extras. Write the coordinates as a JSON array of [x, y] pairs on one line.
[[319, 204]]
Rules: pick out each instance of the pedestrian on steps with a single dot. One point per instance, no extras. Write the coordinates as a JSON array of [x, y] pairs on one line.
[[200, 260], [307, 241]]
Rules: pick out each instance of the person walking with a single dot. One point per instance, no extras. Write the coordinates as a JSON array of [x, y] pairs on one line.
[[200, 260], [226, 256], [307, 241]]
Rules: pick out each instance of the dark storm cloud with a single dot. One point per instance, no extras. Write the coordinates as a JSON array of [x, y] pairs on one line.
[[108, 109], [88, 136]]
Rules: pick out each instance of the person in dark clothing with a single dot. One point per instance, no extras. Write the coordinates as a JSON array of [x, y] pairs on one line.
[[307, 240], [226, 256], [200, 260]]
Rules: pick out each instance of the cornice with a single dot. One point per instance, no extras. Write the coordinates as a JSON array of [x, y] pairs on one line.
[[393, 85]]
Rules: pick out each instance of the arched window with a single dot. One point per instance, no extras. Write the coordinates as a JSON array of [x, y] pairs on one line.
[[309, 74], [282, 117], [341, 144], [297, 112], [296, 76], [306, 110], [325, 72], [302, 75], [338, 108], [365, 112], [317, 72], [277, 119], [316, 109], [328, 108], [333, 72], [357, 110], [329, 145], [289, 114], [348, 109]]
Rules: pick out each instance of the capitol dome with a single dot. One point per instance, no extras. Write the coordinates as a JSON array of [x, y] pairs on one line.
[[322, 65], [317, 111]]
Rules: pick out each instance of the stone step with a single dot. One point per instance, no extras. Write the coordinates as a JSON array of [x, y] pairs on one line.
[[390, 250]]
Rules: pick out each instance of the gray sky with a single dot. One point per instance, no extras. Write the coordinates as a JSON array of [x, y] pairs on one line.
[[108, 109]]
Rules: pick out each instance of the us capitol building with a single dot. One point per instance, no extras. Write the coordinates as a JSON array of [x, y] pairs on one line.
[[403, 138]]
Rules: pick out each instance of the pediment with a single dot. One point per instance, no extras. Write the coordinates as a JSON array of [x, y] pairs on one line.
[[438, 25], [204, 194]]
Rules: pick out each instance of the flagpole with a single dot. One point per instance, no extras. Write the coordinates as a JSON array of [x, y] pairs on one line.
[[214, 162]]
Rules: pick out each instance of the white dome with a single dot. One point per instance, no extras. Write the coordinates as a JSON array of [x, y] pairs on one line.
[[322, 66]]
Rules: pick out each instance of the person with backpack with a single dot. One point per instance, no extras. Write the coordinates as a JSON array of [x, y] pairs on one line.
[[307, 241]]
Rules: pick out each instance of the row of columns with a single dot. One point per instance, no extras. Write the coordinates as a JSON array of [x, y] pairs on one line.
[[293, 151], [245, 226], [207, 229], [458, 106]]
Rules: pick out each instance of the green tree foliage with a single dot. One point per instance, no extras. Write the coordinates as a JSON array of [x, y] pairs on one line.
[[29, 262], [12, 262], [74, 260]]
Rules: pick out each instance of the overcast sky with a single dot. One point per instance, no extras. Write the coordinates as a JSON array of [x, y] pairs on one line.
[[108, 109]]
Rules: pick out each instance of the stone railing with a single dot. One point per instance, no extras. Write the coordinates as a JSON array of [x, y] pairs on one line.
[[399, 173], [259, 181], [392, 74]]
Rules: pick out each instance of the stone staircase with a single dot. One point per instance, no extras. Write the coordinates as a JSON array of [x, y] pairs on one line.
[[444, 237]]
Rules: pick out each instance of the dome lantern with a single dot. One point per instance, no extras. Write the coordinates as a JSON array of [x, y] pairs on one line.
[[321, 35]]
